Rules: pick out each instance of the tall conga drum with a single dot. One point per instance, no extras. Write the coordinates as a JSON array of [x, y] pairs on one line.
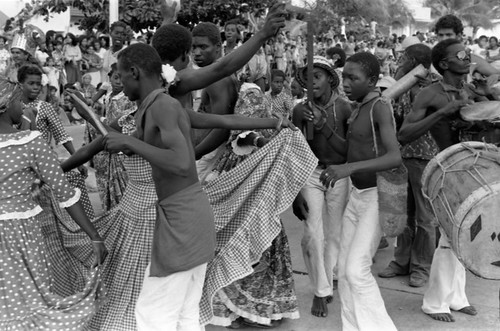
[[462, 184]]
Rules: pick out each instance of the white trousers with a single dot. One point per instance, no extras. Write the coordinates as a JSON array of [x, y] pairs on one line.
[[446, 282], [362, 306], [321, 240], [171, 303]]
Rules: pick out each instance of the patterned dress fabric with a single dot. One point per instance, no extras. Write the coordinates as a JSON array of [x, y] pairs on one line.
[[128, 227], [48, 122], [27, 301], [247, 201], [281, 104], [111, 175], [128, 232]]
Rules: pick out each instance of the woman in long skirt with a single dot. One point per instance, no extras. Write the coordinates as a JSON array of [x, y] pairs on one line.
[[26, 299]]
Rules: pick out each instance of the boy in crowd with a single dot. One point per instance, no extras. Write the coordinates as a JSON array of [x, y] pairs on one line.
[[320, 243], [281, 102], [370, 126]]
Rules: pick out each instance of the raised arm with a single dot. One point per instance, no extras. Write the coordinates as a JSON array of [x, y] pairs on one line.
[[191, 80], [235, 122]]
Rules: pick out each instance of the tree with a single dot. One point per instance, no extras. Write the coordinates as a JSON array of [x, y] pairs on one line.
[[476, 13], [145, 14]]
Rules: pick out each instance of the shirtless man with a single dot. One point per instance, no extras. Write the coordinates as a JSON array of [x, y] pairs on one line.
[[436, 109], [218, 98], [173, 44], [320, 243], [183, 245], [362, 306]]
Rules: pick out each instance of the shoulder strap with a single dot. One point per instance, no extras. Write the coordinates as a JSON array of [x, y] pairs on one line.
[[373, 124]]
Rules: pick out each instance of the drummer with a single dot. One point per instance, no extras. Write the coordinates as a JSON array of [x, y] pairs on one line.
[[436, 109]]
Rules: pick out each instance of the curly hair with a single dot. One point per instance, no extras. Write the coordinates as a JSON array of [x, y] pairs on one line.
[[439, 52], [330, 52], [117, 24], [143, 56], [209, 30], [172, 41], [420, 53], [368, 62], [26, 70], [450, 22]]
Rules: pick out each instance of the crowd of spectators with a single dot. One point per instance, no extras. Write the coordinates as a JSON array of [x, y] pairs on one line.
[[83, 62]]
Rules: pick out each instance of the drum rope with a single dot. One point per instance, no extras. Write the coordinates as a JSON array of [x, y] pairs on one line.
[[476, 175]]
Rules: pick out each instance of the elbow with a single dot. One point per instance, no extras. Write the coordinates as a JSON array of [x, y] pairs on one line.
[[402, 137], [397, 160]]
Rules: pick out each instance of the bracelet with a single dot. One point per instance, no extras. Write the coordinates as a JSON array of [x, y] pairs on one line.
[[255, 141], [100, 241]]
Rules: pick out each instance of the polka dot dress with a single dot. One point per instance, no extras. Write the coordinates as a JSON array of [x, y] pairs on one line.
[[26, 301], [47, 121]]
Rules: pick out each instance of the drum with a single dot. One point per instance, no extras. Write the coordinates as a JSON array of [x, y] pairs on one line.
[[462, 184]]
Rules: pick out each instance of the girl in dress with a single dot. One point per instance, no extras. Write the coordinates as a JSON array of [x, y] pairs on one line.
[[110, 172], [26, 298]]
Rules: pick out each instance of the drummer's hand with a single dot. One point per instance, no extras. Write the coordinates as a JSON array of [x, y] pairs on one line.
[[454, 106], [100, 252]]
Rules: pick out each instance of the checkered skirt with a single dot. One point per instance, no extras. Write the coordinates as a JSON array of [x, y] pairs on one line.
[[128, 232], [247, 202]]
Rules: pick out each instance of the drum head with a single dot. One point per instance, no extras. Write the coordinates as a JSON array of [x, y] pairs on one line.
[[478, 237]]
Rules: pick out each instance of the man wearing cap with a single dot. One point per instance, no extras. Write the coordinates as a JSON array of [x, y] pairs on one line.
[[320, 243]]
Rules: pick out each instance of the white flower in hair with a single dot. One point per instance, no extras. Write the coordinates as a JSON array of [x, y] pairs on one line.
[[169, 74]]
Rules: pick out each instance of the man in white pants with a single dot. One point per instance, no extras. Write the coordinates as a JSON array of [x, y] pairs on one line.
[[434, 109], [320, 243]]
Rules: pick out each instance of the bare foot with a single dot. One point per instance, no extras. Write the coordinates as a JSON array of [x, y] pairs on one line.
[[469, 310], [443, 317], [329, 299], [319, 307]]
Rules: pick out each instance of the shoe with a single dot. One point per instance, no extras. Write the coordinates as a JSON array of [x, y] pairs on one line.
[[417, 281], [389, 273]]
